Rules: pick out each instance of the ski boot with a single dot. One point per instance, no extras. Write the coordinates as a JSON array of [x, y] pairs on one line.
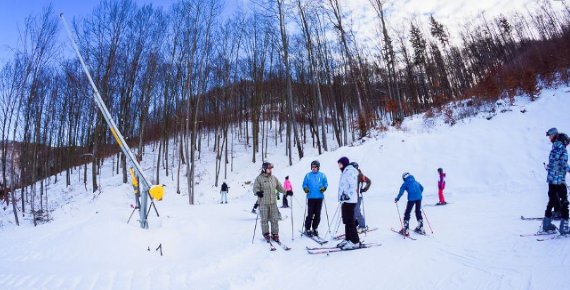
[[420, 228], [564, 229], [275, 237], [266, 237], [547, 225], [341, 244], [308, 233], [350, 246], [315, 233], [406, 230]]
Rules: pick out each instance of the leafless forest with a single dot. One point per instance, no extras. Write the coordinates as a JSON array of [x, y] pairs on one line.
[[170, 75]]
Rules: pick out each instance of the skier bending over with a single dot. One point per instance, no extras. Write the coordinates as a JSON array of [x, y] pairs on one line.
[[414, 190]]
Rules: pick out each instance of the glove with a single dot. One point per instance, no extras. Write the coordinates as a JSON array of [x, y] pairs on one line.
[[362, 190], [306, 189], [323, 189], [278, 198], [259, 194], [344, 197], [396, 200], [290, 193]]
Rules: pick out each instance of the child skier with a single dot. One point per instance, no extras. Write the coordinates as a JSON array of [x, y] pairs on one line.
[[414, 190], [289, 188], [441, 187]]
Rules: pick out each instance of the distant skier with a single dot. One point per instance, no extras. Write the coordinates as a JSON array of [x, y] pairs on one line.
[[556, 179], [224, 193], [348, 198], [414, 190], [314, 184], [441, 187], [363, 186], [264, 187], [289, 188]]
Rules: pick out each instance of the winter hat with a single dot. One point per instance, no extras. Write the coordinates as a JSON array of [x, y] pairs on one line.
[[344, 161], [440, 170], [552, 132]]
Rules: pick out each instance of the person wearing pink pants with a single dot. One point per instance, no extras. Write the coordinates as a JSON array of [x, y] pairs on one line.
[[441, 187]]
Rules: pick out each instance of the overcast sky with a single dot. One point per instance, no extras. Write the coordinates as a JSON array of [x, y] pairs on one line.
[[451, 13]]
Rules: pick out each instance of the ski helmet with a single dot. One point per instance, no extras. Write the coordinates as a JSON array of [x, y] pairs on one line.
[[316, 163], [266, 165], [552, 132], [406, 175], [440, 170]]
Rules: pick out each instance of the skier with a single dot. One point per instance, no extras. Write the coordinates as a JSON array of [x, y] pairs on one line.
[[363, 186], [289, 188], [348, 198], [414, 190], [556, 179], [264, 187], [441, 187], [314, 184], [224, 193]]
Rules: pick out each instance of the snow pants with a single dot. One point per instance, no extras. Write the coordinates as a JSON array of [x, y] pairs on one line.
[[351, 234], [418, 204], [269, 214], [557, 200], [314, 207]]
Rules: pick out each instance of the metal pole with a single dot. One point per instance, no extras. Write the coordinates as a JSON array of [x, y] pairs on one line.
[[427, 220], [114, 129]]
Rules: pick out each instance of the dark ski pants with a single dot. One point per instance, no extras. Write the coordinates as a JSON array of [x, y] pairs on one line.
[[313, 219], [285, 202], [418, 204], [350, 231], [557, 200]]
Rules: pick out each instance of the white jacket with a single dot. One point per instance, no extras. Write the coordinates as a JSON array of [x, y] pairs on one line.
[[348, 184]]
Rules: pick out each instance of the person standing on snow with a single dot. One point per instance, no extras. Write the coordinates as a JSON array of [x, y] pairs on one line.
[[363, 186], [348, 197], [224, 193], [556, 179], [264, 187], [314, 185], [441, 187], [289, 188], [414, 190]]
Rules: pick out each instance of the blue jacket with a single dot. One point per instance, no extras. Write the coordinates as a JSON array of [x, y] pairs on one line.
[[413, 187], [557, 164], [314, 181]]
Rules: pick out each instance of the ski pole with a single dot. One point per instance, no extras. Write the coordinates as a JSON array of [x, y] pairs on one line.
[[305, 214], [400, 217], [292, 231], [425, 215], [327, 213], [255, 228]]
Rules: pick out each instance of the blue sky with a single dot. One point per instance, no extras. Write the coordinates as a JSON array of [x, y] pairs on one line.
[[450, 12]]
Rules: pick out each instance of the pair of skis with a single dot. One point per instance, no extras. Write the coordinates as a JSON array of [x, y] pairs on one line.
[[272, 247], [328, 250], [317, 239], [408, 236]]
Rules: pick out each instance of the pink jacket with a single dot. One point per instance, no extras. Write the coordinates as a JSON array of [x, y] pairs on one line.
[[287, 185], [441, 181]]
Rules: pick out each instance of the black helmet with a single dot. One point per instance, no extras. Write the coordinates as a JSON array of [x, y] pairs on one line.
[[266, 165], [316, 163], [405, 175], [440, 170]]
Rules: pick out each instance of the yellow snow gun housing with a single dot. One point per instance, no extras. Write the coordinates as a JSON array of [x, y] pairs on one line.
[[156, 191]]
